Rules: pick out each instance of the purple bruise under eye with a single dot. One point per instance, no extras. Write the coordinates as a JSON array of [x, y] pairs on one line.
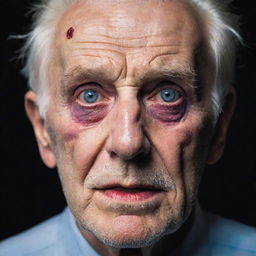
[[165, 113], [70, 33], [88, 115]]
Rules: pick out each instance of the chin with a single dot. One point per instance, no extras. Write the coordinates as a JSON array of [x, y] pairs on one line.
[[132, 242], [133, 231]]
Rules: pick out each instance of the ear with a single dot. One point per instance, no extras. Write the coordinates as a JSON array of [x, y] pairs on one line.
[[42, 137], [219, 137]]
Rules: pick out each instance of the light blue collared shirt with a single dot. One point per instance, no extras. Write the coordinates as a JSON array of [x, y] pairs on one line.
[[209, 235]]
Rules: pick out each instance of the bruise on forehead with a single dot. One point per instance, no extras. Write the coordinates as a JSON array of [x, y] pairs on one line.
[[70, 33]]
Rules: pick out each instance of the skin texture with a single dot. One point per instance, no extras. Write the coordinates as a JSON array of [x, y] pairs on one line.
[[130, 163]]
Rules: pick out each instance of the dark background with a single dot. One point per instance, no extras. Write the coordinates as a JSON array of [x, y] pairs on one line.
[[30, 193]]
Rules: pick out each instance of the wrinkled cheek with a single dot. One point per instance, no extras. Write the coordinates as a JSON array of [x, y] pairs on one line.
[[194, 154], [72, 170], [176, 146], [86, 150], [64, 136], [75, 147]]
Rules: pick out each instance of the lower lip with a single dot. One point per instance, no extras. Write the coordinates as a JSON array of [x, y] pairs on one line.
[[129, 195]]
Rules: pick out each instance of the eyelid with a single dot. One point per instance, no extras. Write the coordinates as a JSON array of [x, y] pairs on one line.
[[87, 86]]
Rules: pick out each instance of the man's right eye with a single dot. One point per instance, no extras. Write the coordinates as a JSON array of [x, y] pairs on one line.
[[89, 96], [169, 95]]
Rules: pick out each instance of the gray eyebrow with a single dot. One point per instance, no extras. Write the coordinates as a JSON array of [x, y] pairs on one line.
[[186, 73], [77, 75]]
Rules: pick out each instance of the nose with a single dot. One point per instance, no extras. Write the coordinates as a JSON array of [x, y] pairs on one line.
[[127, 139]]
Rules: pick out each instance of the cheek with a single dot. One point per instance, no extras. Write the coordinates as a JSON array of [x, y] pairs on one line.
[[77, 139], [178, 147], [82, 151], [76, 157], [67, 137], [194, 154]]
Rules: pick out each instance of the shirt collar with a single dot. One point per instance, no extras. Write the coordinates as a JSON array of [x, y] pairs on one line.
[[84, 246], [197, 238]]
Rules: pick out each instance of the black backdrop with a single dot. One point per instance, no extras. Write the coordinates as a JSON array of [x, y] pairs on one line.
[[30, 193]]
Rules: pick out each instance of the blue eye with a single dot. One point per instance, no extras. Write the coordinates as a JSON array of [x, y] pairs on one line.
[[90, 96], [168, 95]]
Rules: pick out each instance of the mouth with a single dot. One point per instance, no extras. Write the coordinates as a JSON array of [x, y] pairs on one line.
[[134, 193]]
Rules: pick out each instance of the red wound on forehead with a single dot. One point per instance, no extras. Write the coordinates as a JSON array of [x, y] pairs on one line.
[[70, 33]]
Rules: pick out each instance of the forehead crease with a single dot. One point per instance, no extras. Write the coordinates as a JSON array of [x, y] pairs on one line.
[[113, 46], [81, 72], [143, 32]]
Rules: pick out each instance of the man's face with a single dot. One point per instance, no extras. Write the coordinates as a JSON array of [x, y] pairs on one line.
[[129, 123]]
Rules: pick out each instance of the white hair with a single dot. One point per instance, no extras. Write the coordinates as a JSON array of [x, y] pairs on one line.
[[222, 38]]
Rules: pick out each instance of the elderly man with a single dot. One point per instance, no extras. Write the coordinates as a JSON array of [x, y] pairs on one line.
[[130, 99]]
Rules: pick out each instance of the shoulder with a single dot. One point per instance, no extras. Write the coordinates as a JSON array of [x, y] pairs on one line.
[[231, 237], [35, 240]]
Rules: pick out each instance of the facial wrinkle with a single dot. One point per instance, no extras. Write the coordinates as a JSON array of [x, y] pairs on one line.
[[80, 74], [89, 166], [111, 60], [123, 45], [145, 37], [114, 56], [164, 54], [98, 49]]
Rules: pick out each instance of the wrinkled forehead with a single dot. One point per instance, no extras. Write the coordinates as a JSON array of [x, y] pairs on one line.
[[131, 19]]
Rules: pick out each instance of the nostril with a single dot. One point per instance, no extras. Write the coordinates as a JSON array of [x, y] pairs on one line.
[[113, 155], [138, 156], [142, 158]]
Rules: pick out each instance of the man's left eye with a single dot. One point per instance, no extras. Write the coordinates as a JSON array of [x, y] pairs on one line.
[[168, 95], [89, 96]]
